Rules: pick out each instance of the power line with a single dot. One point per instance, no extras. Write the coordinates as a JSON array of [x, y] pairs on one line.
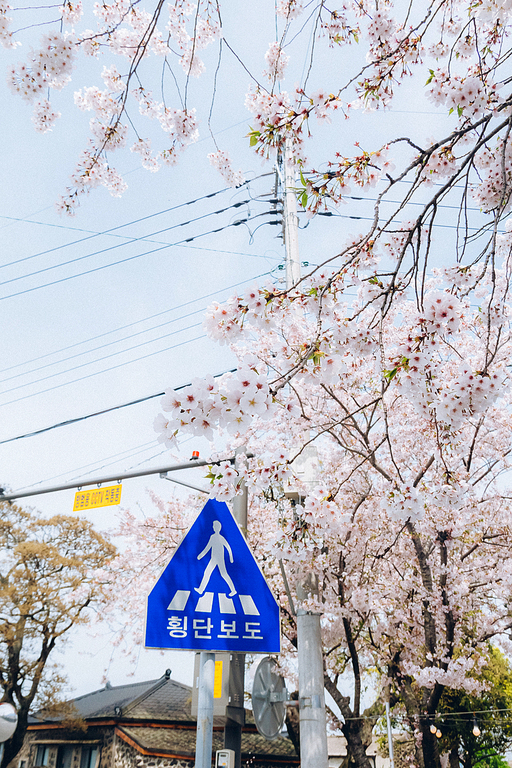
[[103, 346], [119, 245], [75, 420], [105, 370], [117, 478], [100, 359], [130, 325], [134, 451], [381, 218], [138, 256], [120, 226]]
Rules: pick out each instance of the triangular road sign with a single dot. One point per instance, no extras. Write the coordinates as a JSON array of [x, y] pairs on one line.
[[212, 595]]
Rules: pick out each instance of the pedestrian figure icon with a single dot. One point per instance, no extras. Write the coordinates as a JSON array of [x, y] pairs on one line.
[[218, 546]]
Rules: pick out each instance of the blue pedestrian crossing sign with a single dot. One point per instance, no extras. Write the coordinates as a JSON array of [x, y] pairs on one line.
[[212, 595]]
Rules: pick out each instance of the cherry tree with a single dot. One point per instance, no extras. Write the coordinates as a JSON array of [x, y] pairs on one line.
[[407, 406]]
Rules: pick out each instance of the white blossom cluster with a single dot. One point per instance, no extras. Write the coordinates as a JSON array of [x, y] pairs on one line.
[[277, 61], [44, 117], [229, 402], [206, 31], [289, 9], [403, 502], [496, 176], [222, 162], [441, 164], [48, 67], [143, 148], [91, 173], [71, 12], [467, 95], [6, 37], [470, 394]]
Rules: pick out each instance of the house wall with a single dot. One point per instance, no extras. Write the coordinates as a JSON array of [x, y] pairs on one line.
[[128, 757], [101, 737], [113, 752]]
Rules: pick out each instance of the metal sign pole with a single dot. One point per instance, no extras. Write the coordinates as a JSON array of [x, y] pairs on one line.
[[204, 736], [232, 729], [390, 737]]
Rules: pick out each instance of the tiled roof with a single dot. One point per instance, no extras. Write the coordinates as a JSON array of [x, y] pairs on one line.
[[168, 702], [183, 741], [162, 699]]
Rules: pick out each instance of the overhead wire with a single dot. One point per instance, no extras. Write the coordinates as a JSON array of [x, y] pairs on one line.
[[121, 226], [102, 412], [136, 256], [130, 241], [130, 451], [333, 215], [130, 325], [119, 352], [105, 370], [104, 346], [104, 462], [109, 356]]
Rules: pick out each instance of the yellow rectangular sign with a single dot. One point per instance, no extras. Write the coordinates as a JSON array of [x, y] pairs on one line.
[[97, 497], [217, 680]]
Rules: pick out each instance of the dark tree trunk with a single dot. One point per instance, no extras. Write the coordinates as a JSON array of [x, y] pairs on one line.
[[430, 747], [356, 747], [354, 729], [454, 758]]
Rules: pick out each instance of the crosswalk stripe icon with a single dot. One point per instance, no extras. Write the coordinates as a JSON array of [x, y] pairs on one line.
[[212, 594]]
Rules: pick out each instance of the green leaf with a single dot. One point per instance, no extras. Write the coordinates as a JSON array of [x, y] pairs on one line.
[[432, 73], [254, 138], [460, 110], [304, 199], [389, 375]]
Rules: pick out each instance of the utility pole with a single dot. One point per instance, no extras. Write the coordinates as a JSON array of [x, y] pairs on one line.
[[313, 726], [290, 218], [233, 728]]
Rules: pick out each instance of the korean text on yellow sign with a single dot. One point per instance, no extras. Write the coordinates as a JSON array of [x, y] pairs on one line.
[[99, 497]]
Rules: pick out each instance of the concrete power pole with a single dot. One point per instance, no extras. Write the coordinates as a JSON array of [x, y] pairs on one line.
[[233, 729], [313, 726], [291, 220]]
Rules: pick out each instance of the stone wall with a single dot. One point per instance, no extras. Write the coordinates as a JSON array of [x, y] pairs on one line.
[[128, 757]]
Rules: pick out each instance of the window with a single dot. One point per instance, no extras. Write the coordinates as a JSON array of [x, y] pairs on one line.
[[65, 756], [42, 755], [89, 757]]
